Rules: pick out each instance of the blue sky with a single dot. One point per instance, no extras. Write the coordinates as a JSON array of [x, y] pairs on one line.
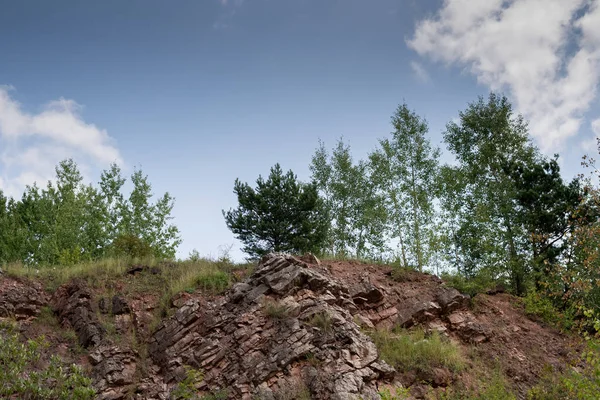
[[199, 93]]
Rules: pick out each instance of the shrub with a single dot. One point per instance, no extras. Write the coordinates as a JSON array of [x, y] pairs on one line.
[[20, 375], [131, 246], [582, 383], [396, 393], [537, 305], [479, 283], [412, 350], [494, 388], [187, 389]]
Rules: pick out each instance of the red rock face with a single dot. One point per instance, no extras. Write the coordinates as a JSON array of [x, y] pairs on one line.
[[20, 299], [243, 348]]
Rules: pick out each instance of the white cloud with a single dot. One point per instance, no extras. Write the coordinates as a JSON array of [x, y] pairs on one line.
[[596, 127], [546, 53], [32, 144], [420, 72]]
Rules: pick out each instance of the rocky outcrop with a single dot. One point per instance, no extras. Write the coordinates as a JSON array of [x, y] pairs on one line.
[[21, 300], [286, 323], [72, 304], [113, 370]]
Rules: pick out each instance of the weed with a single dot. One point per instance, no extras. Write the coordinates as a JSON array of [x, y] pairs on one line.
[[396, 393], [412, 350], [582, 383], [321, 320], [275, 309], [187, 389]]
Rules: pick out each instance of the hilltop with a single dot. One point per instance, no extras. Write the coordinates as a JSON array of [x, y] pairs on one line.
[[287, 328]]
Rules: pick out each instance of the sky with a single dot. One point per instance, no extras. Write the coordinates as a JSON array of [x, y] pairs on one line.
[[198, 93]]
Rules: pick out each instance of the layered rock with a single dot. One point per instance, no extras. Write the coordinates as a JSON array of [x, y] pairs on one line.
[[286, 322], [21, 300]]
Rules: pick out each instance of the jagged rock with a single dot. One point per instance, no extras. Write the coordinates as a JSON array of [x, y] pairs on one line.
[[103, 305], [241, 346], [419, 312], [72, 302], [120, 306], [366, 293], [21, 300], [113, 370], [451, 299]]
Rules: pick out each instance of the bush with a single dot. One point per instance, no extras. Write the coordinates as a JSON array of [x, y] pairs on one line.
[[20, 375], [131, 246], [413, 350], [495, 388], [539, 306], [480, 283], [576, 383]]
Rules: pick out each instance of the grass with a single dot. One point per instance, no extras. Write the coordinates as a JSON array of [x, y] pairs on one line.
[[275, 309], [322, 321], [109, 276], [413, 350]]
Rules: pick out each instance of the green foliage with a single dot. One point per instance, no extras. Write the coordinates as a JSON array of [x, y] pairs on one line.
[[130, 246], [413, 350], [405, 171], [212, 280], [493, 388], [68, 222], [187, 389], [21, 374], [286, 390], [397, 393], [281, 214], [479, 283], [576, 383], [537, 305], [353, 203], [486, 140]]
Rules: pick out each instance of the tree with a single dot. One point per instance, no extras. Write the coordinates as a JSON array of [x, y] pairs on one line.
[[405, 168], [67, 221], [545, 206], [487, 139], [147, 221], [281, 214], [352, 201]]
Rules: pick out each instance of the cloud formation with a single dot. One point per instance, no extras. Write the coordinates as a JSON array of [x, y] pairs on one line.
[[420, 72], [545, 53], [32, 144]]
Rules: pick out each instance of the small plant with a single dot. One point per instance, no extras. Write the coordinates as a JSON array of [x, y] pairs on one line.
[[286, 390], [403, 274], [21, 378], [396, 393], [187, 389], [540, 307], [275, 309], [322, 320], [581, 384], [415, 351], [492, 388]]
